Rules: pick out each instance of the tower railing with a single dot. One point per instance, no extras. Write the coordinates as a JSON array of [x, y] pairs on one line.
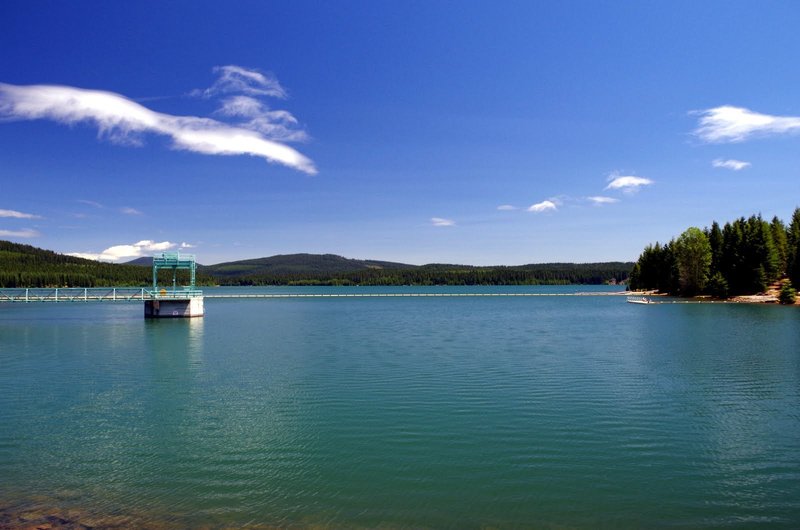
[[94, 294]]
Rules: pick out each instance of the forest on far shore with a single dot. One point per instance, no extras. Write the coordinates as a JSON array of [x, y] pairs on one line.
[[28, 266], [743, 257]]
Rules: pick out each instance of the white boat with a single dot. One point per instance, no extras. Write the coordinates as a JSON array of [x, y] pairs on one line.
[[640, 300]]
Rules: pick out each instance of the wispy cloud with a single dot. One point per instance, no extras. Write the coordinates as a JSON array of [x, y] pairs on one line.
[[737, 124], [735, 165], [91, 203], [627, 184], [240, 89], [439, 221], [544, 206], [600, 200], [127, 210], [507, 208], [14, 214], [234, 79], [187, 245], [18, 215], [124, 121], [118, 252], [19, 233], [276, 124]]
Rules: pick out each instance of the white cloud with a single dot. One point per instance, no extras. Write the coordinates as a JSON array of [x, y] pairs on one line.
[[235, 79], [507, 207], [84, 255], [19, 233], [124, 121], [628, 184], [127, 210], [736, 124], [118, 252], [543, 206], [735, 165], [187, 245], [18, 215], [438, 221], [276, 124], [600, 200]]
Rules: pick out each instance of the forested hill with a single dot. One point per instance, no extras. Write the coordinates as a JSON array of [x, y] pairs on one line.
[[27, 266], [298, 264], [444, 274]]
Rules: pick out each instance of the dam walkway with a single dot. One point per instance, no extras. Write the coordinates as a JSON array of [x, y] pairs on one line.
[[139, 294]]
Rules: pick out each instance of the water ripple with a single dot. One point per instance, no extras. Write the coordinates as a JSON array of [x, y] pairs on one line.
[[562, 412]]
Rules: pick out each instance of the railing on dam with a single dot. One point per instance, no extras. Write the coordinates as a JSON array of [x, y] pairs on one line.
[[131, 294], [94, 294]]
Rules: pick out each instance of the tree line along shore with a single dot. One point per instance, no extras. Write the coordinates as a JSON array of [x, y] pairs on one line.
[[27, 266], [744, 257]]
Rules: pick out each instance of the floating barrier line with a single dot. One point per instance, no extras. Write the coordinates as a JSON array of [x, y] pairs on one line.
[[136, 294], [127, 294], [397, 295]]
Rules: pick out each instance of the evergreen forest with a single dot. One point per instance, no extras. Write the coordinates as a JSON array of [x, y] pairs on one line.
[[28, 266], [743, 257], [438, 274]]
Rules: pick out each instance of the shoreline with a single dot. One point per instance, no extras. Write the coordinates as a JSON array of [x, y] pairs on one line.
[[758, 299]]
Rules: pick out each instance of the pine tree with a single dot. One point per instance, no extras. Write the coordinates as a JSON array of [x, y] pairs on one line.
[[715, 239], [731, 264], [668, 270], [779, 240], [793, 249], [760, 256]]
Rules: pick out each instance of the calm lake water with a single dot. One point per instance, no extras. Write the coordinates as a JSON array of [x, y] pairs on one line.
[[551, 412]]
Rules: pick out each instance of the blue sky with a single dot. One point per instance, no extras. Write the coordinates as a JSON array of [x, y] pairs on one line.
[[460, 132]]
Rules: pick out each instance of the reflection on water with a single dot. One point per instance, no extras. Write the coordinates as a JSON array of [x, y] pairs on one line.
[[176, 339], [572, 412]]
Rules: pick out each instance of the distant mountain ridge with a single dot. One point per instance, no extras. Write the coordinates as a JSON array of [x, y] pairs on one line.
[[299, 264], [302, 263], [27, 266], [331, 269], [144, 261]]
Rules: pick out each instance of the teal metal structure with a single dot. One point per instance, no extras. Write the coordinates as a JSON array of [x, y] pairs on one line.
[[174, 261]]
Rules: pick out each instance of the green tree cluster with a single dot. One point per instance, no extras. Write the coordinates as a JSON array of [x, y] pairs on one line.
[[743, 257], [693, 258], [656, 269], [793, 250], [788, 294]]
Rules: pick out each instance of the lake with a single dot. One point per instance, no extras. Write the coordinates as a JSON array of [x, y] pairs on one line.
[[508, 412]]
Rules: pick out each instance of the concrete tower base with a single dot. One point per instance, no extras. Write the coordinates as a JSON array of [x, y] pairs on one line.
[[191, 307]]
